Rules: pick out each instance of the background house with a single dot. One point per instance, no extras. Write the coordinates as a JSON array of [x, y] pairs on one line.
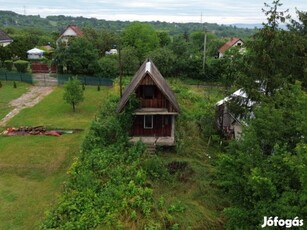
[[154, 121], [35, 53], [4, 39], [234, 41], [70, 31]]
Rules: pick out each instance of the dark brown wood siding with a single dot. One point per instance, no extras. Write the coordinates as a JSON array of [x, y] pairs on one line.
[[158, 101], [162, 126]]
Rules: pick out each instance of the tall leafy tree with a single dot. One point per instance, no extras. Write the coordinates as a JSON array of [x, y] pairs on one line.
[[142, 37], [263, 173], [164, 59], [80, 56], [299, 29], [271, 59]]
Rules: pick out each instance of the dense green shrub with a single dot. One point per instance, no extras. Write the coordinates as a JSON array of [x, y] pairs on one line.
[[21, 66], [107, 181], [155, 169], [108, 66], [8, 65]]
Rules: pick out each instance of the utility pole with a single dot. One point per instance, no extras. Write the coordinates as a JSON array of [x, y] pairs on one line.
[[120, 72], [205, 45], [205, 42]]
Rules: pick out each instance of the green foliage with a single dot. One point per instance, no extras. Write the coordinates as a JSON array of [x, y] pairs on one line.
[[103, 40], [107, 180], [21, 66], [14, 85], [73, 93], [164, 59], [263, 65], [80, 57], [8, 64], [130, 62], [262, 172], [155, 169], [108, 66], [142, 37], [164, 38]]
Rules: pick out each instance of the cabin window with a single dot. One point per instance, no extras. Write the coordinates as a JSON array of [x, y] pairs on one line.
[[148, 121], [166, 120], [149, 91]]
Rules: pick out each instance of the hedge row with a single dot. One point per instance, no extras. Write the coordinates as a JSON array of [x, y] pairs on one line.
[[20, 65]]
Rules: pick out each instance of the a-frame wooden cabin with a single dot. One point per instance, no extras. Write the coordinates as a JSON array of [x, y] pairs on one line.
[[154, 121]]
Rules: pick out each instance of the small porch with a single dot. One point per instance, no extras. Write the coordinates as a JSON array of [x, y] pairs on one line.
[[158, 141]]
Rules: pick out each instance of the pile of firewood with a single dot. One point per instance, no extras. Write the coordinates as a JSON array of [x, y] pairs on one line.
[[25, 130]]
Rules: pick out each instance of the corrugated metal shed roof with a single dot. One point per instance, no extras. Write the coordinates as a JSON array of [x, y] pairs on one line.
[[148, 67]]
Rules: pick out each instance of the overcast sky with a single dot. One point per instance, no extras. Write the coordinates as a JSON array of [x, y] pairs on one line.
[[213, 11]]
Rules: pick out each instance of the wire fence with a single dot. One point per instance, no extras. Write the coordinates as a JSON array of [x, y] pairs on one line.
[[86, 80], [14, 76], [53, 79]]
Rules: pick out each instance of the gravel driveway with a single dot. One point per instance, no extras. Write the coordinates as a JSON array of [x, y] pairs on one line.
[[29, 99]]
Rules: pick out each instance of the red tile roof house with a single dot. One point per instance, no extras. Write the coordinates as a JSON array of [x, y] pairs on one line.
[[154, 120], [234, 41], [4, 39], [70, 31]]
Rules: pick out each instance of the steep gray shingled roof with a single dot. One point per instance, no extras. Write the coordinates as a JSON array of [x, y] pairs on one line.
[[148, 67], [4, 37]]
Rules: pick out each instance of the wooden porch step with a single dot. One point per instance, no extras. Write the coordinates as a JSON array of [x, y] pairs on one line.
[[151, 148]]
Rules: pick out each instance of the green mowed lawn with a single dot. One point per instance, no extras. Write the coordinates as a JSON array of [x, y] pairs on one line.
[[33, 168], [8, 93]]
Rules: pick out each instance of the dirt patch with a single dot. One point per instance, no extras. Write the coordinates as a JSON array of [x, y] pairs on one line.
[[27, 100]]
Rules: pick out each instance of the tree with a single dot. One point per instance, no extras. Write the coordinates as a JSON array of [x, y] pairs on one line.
[[80, 57], [130, 62], [109, 66], [271, 57], [164, 59], [103, 40], [264, 174], [142, 37], [73, 93], [164, 38], [299, 29]]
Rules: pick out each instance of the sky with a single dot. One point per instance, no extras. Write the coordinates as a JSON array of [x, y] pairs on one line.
[[212, 11]]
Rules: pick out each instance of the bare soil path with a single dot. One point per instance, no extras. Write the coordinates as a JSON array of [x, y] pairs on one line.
[[29, 99]]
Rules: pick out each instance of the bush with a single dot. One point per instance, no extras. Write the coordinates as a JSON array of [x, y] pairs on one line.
[[21, 66], [8, 65], [155, 169], [109, 66]]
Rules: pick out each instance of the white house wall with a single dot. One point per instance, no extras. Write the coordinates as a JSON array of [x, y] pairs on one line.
[[69, 32]]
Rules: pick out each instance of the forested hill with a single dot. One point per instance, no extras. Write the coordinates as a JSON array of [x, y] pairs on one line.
[[59, 23]]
